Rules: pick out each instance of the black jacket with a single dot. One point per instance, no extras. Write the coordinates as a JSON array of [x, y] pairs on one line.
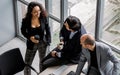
[[44, 31], [72, 48]]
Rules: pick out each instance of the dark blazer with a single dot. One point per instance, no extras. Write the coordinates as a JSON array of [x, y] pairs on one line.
[[44, 31], [108, 63], [72, 48], [65, 33]]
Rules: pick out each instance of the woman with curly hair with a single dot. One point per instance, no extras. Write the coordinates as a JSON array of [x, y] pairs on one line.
[[36, 30]]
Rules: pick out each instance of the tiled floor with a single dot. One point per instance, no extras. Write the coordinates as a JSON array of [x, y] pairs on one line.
[[14, 43]]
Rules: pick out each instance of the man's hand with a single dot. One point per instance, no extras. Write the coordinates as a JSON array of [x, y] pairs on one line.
[[53, 53], [60, 45]]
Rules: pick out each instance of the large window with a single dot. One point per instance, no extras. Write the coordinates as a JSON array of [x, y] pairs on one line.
[[22, 9], [54, 8], [85, 10], [55, 28], [111, 23], [108, 23], [54, 20]]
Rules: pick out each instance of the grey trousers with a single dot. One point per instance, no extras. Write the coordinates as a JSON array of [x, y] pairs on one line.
[[30, 54]]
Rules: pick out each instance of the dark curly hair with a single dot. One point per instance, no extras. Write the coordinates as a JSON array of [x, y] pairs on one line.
[[73, 22], [30, 8]]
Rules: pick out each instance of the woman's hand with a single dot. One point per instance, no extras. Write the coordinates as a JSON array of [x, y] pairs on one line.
[[32, 38]]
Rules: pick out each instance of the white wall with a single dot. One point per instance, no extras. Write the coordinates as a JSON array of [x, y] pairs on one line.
[[7, 29]]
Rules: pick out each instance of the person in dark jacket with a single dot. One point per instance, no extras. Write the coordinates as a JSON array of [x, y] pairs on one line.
[[69, 37], [36, 30]]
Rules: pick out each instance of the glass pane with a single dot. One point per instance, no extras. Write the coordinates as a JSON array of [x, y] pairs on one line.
[[85, 10], [111, 23], [22, 9], [54, 8], [55, 28]]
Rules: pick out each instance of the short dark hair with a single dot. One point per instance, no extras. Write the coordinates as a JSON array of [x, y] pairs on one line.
[[73, 22], [89, 41]]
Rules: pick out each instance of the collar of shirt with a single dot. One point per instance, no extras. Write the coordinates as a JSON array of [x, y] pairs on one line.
[[72, 34]]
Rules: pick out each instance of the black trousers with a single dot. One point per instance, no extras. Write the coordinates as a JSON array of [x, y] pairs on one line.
[[93, 71], [52, 61]]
